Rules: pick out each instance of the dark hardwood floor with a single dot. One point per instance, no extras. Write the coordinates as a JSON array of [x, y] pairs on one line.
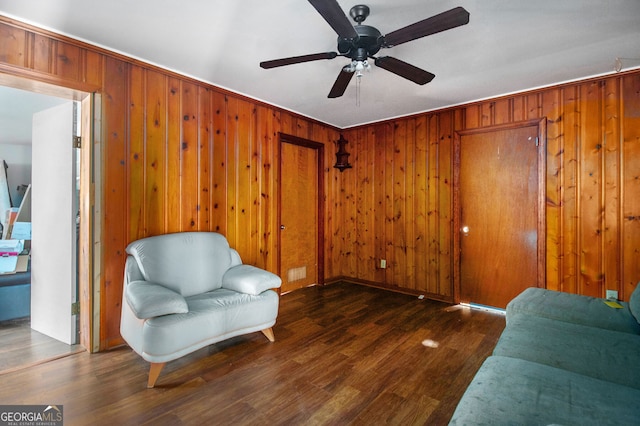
[[344, 354], [21, 347]]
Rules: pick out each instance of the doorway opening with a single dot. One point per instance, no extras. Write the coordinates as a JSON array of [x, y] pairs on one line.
[[300, 213], [28, 102]]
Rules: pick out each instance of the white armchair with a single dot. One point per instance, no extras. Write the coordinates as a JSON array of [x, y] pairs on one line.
[[188, 290]]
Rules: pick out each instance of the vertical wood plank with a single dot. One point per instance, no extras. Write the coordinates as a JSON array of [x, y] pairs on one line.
[[630, 256], [399, 240], [381, 176], [503, 111], [67, 62], [612, 190], [255, 198], [93, 68], [189, 166], [155, 142], [389, 203], [519, 108], [13, 45], [267, 206], [534, 108], [41, 55], [362, 242], [487, 114], [421, 204], [591, 283], [349, 220], [567, 158], [136, 155], [549, 105], [409, 207], [204, 159], [369, 197], [232, 170], [433, 207], [173, 146], [115, 122], [219, 173], [244, 142], [445, 205], [471, 116]]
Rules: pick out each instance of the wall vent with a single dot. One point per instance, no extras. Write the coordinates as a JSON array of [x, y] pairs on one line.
[[296, 274]]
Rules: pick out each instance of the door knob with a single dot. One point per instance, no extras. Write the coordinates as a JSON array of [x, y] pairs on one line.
[[465, 230], [282, 227]]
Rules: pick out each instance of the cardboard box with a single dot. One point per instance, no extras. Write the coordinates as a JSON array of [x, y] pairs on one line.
[[14, 264]]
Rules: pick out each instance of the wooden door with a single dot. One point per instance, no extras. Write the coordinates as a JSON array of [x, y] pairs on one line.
[[299, 257], [501, 214]]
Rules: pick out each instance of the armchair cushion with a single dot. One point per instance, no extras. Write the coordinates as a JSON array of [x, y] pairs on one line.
[[249, 280], [147, 300], [189, 263]]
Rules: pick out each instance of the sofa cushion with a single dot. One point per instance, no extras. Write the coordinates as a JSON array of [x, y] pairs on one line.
[[608, 355], [186, 262], [148, 300], [249, 279], [577, 309], [634, 303], [510, 391]]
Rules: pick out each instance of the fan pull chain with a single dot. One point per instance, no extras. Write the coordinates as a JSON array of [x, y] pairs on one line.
[[358, 80]]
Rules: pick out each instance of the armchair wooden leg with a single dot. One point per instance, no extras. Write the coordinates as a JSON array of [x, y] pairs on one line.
[[268, 332], [154, 372]]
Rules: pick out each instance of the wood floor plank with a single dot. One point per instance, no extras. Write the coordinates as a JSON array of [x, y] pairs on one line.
[[21, 347], [343, 354]]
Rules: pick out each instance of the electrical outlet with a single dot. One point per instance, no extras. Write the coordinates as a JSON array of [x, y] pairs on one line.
[[383, 263], [612, 294]]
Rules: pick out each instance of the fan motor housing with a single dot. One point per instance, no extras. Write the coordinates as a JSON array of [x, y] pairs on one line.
[[369, 40]]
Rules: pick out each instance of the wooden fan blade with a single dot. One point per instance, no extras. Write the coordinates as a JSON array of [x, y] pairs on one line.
[[341, 84], [444, 21], [297, 59], [335, 16], [404, 69]]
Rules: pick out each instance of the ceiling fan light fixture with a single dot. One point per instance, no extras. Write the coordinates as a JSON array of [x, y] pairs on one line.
[[358, 67], [362, 42]]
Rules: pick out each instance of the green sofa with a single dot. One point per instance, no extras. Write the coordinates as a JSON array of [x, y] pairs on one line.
[[562, 359]]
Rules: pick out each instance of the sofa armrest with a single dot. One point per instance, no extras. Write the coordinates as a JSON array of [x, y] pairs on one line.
[[249, 279], [147, 300]]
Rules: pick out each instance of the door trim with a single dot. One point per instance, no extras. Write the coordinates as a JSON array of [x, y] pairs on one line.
[[295, 140], [89, 242], [541, 201]]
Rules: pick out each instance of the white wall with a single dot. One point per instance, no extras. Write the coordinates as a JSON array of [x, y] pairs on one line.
[[18, 158]]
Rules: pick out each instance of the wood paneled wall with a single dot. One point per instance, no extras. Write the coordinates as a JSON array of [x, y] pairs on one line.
[[182, 155], [178, 155], [397, 203]]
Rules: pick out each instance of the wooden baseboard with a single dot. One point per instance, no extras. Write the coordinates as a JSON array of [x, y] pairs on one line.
[[382, 286]]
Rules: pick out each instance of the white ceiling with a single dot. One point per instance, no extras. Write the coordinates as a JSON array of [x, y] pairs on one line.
[[508, 46]]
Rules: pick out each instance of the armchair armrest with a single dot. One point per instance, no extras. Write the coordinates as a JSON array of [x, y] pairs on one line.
[[147, 300], [249, 279]]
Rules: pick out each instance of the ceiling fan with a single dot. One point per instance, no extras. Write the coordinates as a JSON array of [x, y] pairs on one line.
[[361, 42]]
